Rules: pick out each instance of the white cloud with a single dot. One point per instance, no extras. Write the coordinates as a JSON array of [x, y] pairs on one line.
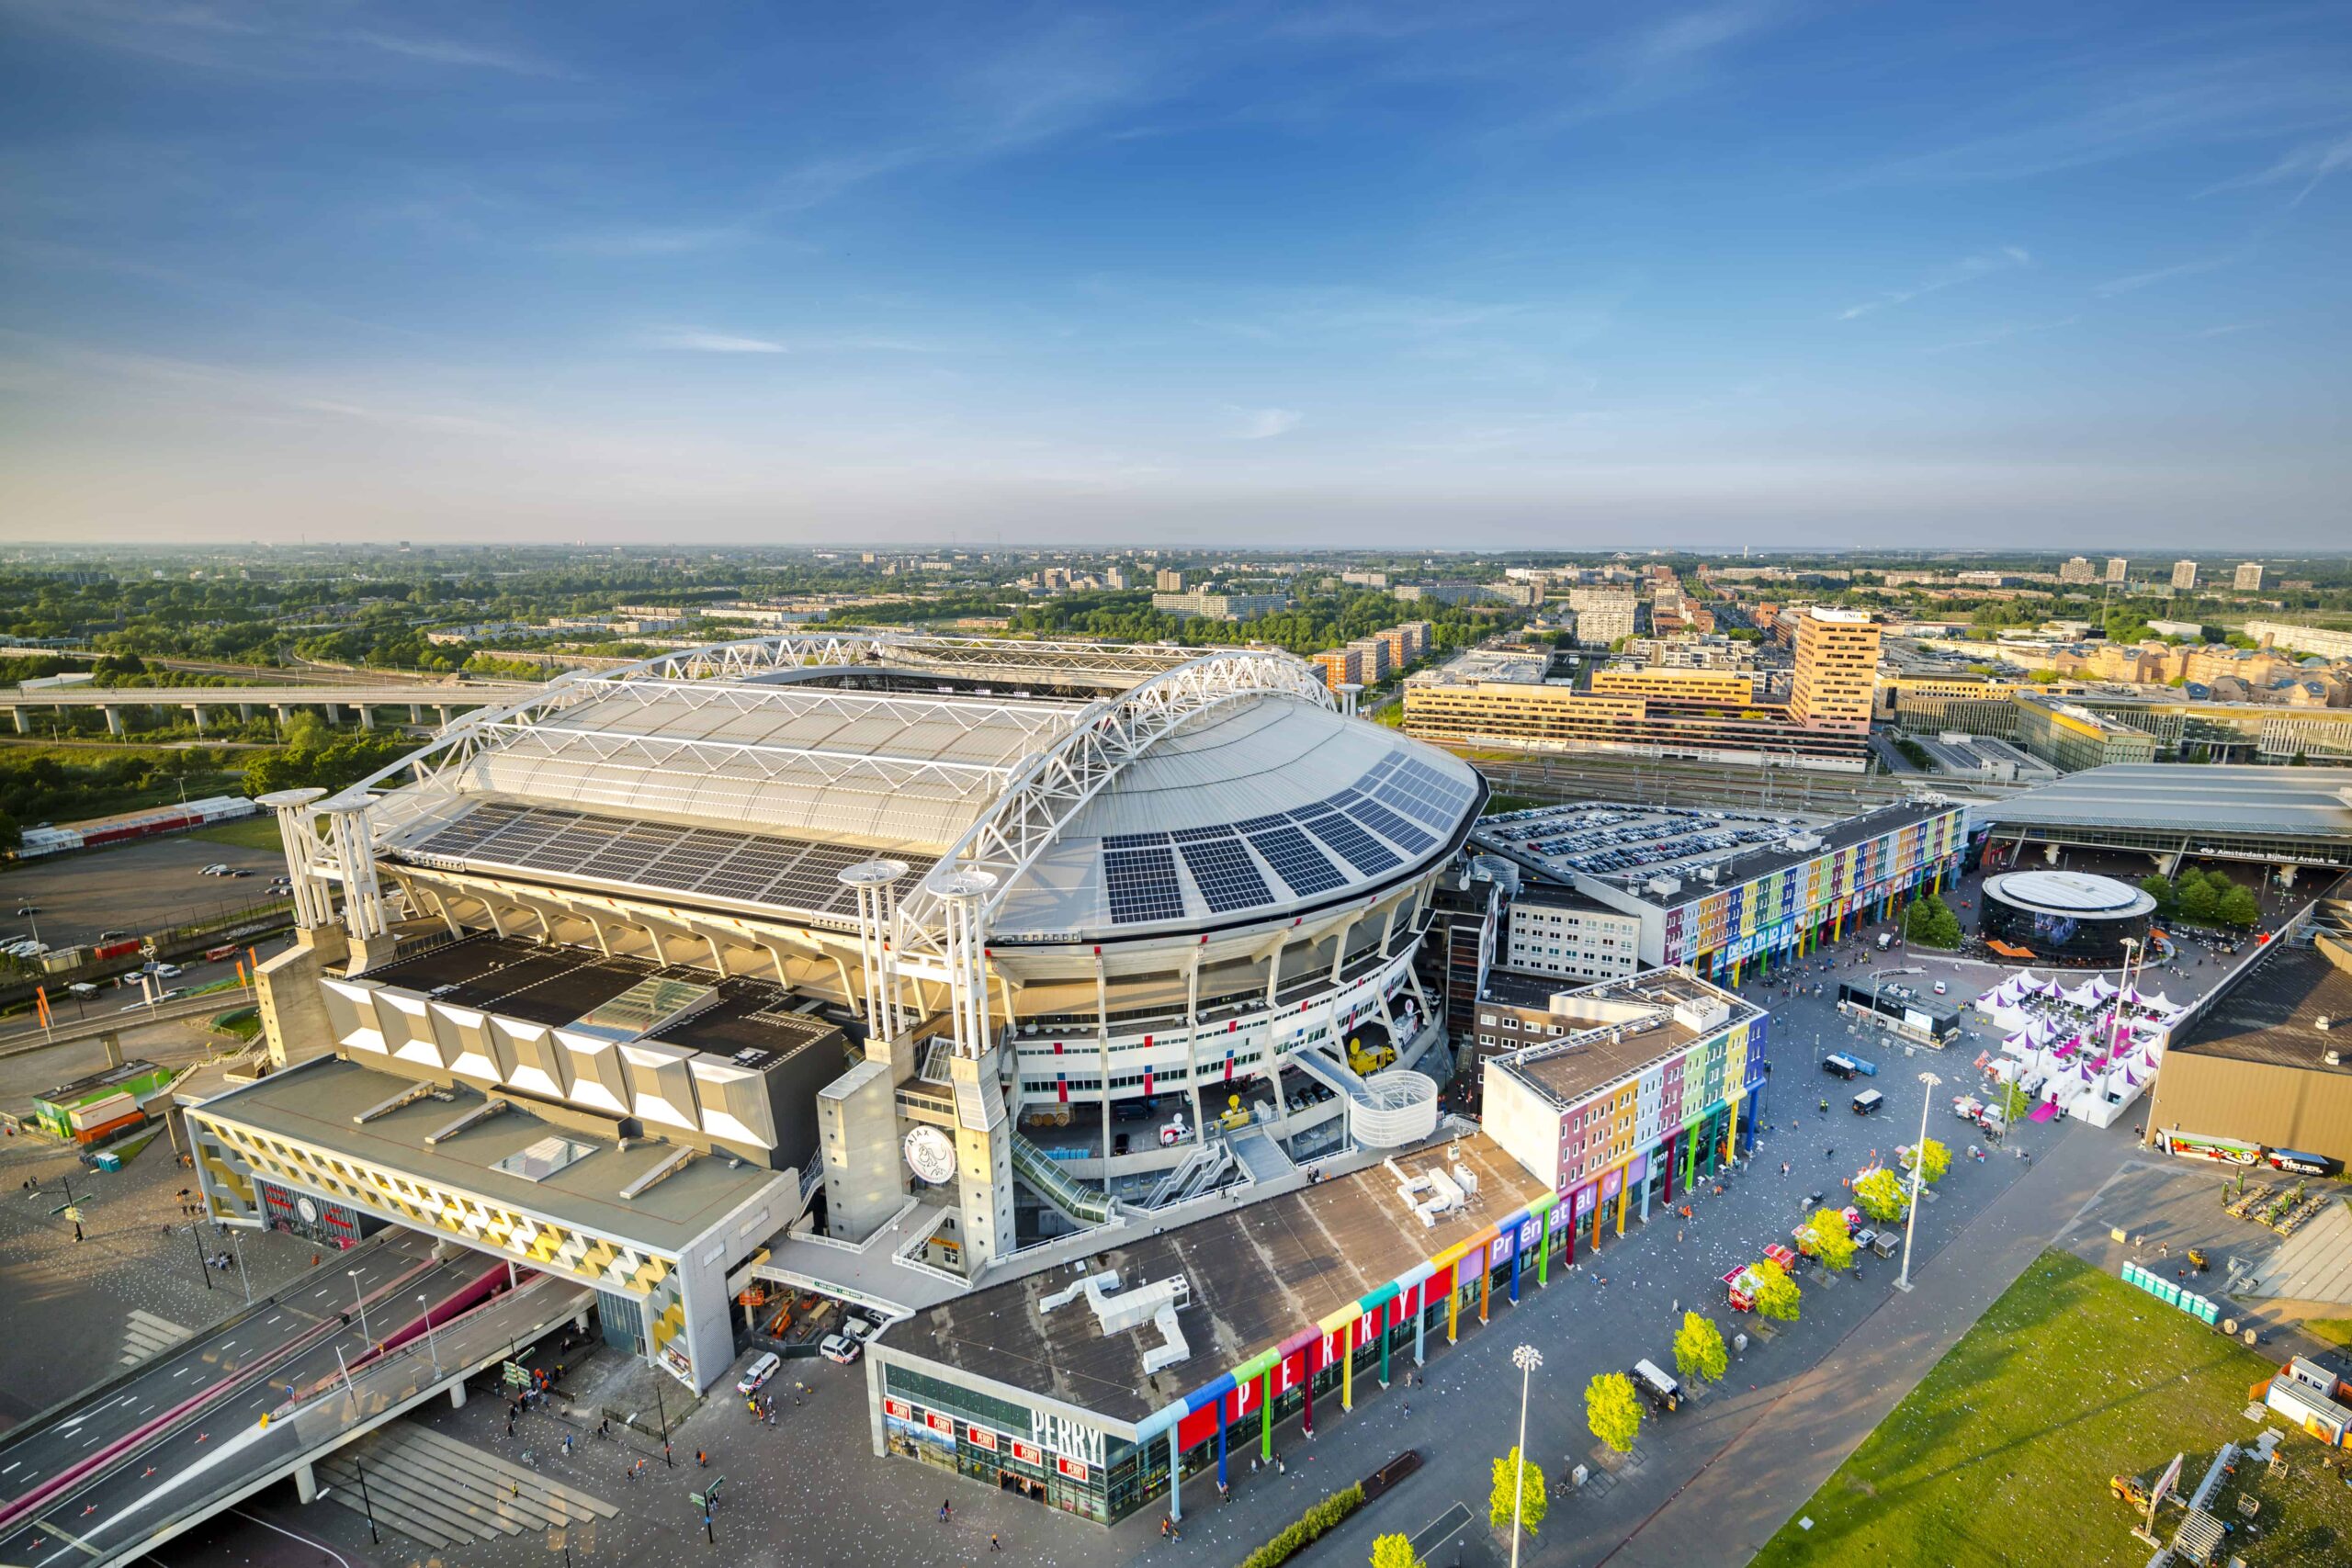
[[693, 340], [2307, 166], [1265, 424], [2138, 280], [1966, 270]]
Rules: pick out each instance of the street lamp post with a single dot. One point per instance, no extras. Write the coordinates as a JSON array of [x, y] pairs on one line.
[[365, 1337], [237, 1245], [203, 1265], [1526, 1358], [1918, 1174], [429, 1344]]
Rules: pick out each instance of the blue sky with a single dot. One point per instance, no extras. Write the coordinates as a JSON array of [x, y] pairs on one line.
[[1471, 274]]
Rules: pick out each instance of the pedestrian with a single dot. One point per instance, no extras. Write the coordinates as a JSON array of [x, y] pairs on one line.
[[567, 1445], [1280, 1468], [702, 1459], [947, 1510], [994, 1544]]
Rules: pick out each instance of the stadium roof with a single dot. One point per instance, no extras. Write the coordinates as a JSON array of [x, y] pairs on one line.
[[1204, 787], [2213, 802]]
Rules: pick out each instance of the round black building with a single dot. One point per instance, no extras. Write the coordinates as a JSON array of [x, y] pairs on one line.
[[2066, 917]]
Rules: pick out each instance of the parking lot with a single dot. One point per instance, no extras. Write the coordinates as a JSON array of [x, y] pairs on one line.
[[134, 888]]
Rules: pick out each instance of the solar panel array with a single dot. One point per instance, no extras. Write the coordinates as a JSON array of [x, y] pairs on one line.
[[1139, 874], [1222, 869], [1139, 869], [753, 868]]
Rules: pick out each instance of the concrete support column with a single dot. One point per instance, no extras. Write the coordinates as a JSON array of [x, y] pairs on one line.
[[113, 721], [306, 1483], [244, 712], [18, 714], [443, 711], [367, 716], [458, 1394], [195, 713], [416, 712], [113, 1042]]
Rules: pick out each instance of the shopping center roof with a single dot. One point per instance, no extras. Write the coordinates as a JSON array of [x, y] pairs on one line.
[[1258, 1274]]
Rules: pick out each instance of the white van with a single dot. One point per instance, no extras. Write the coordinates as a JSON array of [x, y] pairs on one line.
[[1656, 1386]]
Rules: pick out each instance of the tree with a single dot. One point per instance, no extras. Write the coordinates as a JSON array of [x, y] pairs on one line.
[[1879, 1195], [1932, 923], [1699, 1350], [1832, 1241], [2237, 909], [11, 835], [1613, 1410], [1532, 1501], [1394, 1552], [2161, 889], [2199, 901], [1777, 1296], [1936, 1161], [2013, 1102]]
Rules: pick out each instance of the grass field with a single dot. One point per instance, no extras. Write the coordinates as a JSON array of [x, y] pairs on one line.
[[2002, 1455], [258, 831]]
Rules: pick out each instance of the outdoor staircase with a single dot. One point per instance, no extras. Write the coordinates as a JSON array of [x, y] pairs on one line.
[[1204, 1170], [1087, 1205], [445, 1494], [1261, 1156]]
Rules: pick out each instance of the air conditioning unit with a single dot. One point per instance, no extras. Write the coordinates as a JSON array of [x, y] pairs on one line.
[[2334, 1058]]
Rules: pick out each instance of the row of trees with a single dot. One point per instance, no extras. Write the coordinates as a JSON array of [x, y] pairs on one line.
[[2203, 897]]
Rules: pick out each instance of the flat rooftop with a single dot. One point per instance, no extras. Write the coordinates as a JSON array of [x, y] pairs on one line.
[[561, 986], [317, 1103], [1626, 845], [1259, 1274], [2271, 1014], [1640, 1027], [2305, 803]]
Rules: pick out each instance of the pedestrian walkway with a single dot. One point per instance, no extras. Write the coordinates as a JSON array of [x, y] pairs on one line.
[[2313, 1265], [147, 1335], [442, 1493]]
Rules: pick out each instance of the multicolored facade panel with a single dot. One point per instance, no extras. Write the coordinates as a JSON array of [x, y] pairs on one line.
[[1770, 914]]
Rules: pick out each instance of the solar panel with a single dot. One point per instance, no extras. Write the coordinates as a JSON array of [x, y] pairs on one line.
[[1223, 871], [1133, 840], [1295, 860], [1359, 847], [1391, 827], [750, 867], [1142, 884]]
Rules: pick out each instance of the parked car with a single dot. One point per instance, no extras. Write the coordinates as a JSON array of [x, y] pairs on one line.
[[756, 1375], [1941, 987], [29, 908], [1869, 1100], [860, 1327], [218, 868], [840, 1349]]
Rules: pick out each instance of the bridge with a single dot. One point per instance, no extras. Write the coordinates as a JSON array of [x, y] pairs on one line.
[[262, 1396], [332, 702]]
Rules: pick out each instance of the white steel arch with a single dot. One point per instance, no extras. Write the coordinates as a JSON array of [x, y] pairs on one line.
[[1059, 782]]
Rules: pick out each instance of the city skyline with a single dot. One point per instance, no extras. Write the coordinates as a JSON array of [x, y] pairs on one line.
[[1299, 278]]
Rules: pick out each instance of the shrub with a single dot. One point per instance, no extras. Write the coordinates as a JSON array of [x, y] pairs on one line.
[[1317, 1522]]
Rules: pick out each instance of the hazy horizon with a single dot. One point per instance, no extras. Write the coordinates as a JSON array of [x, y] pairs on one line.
[[1349, 275]]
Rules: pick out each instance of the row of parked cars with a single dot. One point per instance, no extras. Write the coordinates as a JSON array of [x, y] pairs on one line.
[[840, 1349]]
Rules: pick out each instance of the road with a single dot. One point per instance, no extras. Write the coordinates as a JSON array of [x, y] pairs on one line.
[[293, 1352]]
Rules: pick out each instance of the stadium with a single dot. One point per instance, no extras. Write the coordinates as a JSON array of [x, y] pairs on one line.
[[986, 941]]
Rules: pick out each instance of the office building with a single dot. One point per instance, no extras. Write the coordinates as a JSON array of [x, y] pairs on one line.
[[2248, 576], [1715, 890], [1465, 704], [1554, 930], [1603, 615], [1730, 687], [2077, 569], [2071, 737], [1836, 663], [2184, 575]]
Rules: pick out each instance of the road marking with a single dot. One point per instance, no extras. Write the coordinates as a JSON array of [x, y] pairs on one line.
[[11, 1467], [289, 1535], [1439, 1530], [68, 1537]]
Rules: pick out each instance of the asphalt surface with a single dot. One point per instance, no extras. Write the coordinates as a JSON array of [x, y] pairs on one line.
[[253, 1349], [136, 888]]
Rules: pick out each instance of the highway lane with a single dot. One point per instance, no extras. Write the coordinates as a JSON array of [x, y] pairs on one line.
[[201, 1462], [310, 1317]]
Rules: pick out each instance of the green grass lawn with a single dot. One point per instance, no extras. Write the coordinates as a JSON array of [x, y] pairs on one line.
[[258, 831], [2002, 1455]]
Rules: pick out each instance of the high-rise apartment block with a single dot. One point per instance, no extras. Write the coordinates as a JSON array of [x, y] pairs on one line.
[[1171, 579], [2249, 577], [2118, 569], [2077, 569], [2184, 574], [1603, 615], [1836, 665]]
